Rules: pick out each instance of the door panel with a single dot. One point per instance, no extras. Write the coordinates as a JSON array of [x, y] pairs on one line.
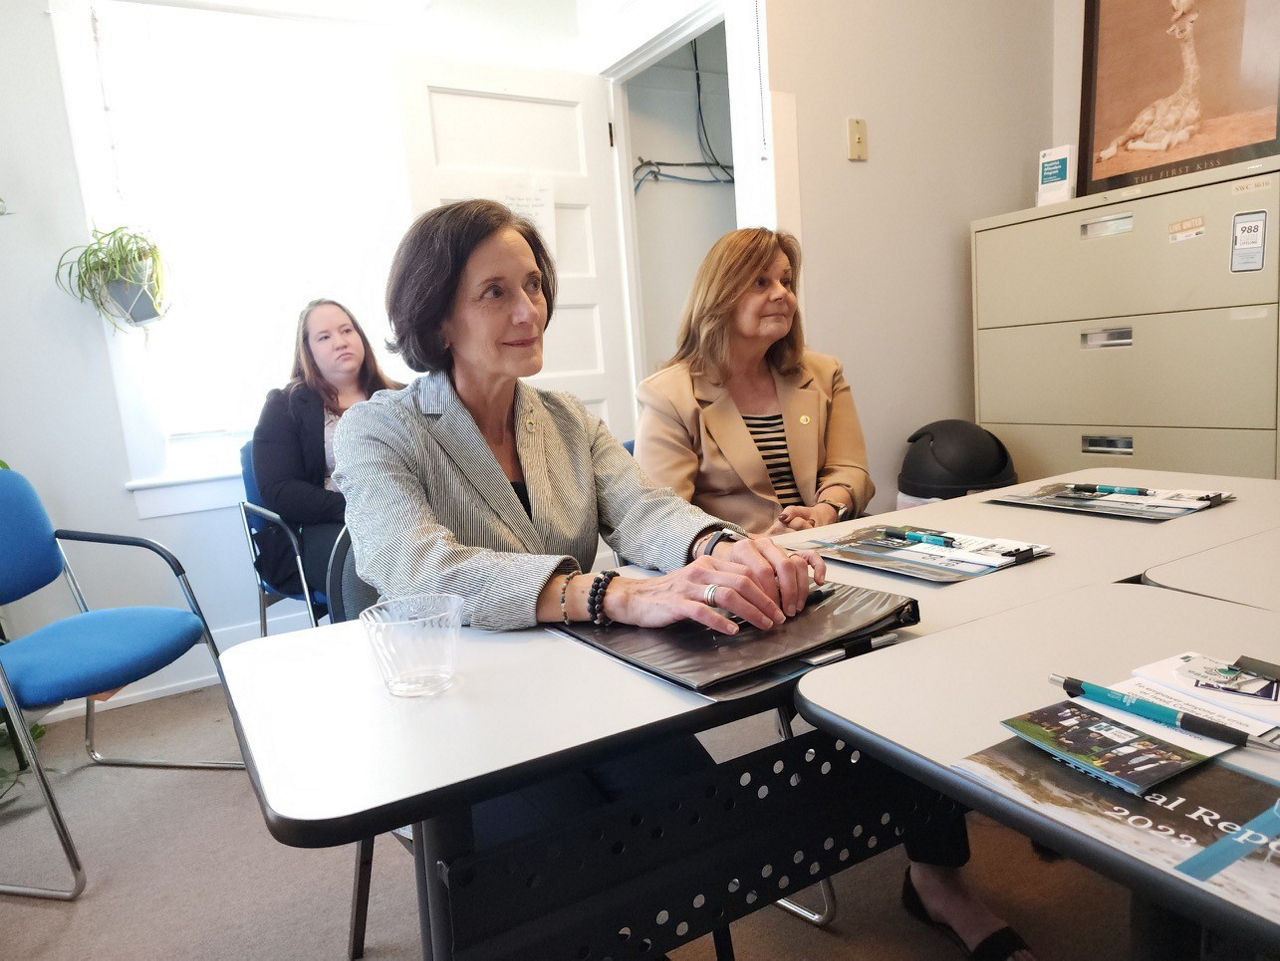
[[498, 133]]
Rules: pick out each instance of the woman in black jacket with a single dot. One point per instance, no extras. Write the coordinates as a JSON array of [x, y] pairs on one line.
[[333, 368]]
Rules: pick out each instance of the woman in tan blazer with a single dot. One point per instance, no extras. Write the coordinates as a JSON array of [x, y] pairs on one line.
[[749, 426], [744, 422]]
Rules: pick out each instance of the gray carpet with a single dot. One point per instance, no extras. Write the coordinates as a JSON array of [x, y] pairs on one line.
[[180, 865]]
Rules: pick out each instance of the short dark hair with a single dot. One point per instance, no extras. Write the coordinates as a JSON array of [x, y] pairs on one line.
[[428, 266]]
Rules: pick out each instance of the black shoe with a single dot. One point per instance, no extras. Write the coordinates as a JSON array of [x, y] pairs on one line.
[[997, 946]]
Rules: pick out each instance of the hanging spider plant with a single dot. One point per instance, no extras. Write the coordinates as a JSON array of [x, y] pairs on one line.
[[120, 272]]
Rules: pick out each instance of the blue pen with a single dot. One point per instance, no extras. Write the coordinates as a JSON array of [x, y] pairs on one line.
[[920, 537], [1109, 489], [1159, 712]]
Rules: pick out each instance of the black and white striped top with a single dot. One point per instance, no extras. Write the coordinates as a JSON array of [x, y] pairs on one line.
[[771, 440]]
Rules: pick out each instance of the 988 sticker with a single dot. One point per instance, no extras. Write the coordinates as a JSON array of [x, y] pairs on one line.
[[1248, 240]]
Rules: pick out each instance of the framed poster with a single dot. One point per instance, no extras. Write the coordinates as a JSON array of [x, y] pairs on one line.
[[1175, 86]]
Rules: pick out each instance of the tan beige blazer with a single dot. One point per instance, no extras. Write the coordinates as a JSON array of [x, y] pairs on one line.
[[691, 438]]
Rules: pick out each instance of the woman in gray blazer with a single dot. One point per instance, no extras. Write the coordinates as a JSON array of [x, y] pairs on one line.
[[470, 481]]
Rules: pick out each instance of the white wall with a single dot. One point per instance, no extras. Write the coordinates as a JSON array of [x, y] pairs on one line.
[[676, 223], [958, 101], [1068, 69]]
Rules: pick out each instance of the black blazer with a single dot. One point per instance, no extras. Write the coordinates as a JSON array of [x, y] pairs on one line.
[[288, 464]]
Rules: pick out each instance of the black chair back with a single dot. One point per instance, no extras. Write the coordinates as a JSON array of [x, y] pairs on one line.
[[348, 595]]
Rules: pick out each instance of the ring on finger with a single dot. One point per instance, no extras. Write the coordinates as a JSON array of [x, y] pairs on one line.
[[709, 595]]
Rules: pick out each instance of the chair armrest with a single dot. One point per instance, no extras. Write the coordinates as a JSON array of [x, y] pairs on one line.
[[120, 540], [274, 518]]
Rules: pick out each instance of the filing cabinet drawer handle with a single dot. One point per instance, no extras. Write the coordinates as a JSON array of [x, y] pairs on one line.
[[1107, 226], [1105, 444], [1112, 337]]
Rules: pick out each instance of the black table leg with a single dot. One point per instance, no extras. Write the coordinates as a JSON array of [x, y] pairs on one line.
[[724, 944], [360, 898], [438, 839]]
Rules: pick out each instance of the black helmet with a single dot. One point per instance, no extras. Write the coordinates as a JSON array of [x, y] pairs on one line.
[[949, 458]]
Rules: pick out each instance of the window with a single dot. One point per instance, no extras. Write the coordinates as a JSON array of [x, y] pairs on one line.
[[264, 157]]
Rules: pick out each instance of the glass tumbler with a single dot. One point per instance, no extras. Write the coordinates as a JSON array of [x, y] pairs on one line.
[[414, 641]]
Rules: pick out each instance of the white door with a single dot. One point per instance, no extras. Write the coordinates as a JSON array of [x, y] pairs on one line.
[[538, 139]]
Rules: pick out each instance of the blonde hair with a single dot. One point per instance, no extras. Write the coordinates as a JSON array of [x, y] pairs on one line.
[[726, 274]]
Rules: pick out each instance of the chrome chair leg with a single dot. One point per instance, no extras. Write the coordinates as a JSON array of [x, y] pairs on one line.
[[819, 919], [18, 754], [23, 736], [143, 762]]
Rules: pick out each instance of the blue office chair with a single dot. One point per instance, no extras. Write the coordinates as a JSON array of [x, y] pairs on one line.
[[255, 517], [80, 656]]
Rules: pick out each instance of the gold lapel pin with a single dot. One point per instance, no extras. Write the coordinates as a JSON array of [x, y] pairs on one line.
[[805, 418]]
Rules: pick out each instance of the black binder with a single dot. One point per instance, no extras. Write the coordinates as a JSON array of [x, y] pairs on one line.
[[697, 657]]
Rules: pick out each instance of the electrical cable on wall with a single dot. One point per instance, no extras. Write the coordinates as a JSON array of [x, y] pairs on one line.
[[657, 170], [704, 139]]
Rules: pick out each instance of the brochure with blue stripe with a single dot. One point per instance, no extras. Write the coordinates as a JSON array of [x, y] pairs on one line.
[[1114, 500], [931, 555]]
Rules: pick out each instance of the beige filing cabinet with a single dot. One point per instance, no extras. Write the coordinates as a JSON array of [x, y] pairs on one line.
[[1134, 328]]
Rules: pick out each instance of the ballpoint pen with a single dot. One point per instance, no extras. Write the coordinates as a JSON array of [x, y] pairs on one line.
[[1109, 489], [1160, 713], [920, 537]]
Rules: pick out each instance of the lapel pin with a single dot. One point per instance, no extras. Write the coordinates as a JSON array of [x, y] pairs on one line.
[[805, 418]]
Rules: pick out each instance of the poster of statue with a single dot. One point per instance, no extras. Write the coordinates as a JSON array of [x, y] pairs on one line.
[[1176, 86]]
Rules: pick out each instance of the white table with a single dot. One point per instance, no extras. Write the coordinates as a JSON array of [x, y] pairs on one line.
[[1088, 549], [291, 691], [1246, 571], [923, 706], [335, 759]]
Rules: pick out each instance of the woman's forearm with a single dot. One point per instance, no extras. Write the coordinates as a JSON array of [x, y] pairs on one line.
[[564, 598]]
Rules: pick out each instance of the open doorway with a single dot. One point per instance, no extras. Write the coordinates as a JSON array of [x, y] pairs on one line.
[[681, 162]]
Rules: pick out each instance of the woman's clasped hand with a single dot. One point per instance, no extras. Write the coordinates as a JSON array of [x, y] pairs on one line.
[[752, 578]]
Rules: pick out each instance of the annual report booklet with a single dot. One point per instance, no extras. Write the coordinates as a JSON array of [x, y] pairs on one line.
[[1217, 827], [1124, 751], [1134, 502], [932, 555], [1127, 751], [841, 617]]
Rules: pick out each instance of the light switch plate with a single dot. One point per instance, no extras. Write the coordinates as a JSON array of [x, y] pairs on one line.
[[857, 140]]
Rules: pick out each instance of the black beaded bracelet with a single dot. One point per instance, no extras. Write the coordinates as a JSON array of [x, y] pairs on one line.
[[595, 598]]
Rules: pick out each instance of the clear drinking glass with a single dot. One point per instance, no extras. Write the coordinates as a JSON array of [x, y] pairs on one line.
[[414, 641]]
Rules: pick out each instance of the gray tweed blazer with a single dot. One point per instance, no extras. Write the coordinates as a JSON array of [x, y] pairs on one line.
[[429, 508]]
